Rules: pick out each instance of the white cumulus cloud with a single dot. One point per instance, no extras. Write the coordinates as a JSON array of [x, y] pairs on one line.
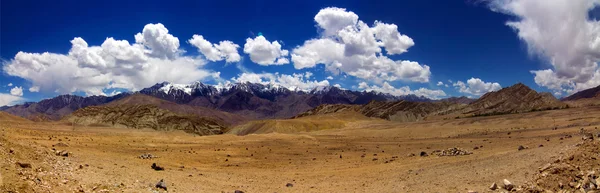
[[476, 86], [156, 37], [8, 99], [351, 46], [401, 91], [155, 57], [265, 53], [561, 33], [16, 91], [225, 50], [10, 84], [34, 89]]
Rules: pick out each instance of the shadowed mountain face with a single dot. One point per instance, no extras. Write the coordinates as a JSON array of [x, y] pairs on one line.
[[460, 100], [57, 107], [588, 93], [144, 116], [513, 99], [246, 100]]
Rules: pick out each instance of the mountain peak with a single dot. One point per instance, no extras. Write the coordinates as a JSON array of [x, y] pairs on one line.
[[514, 99]]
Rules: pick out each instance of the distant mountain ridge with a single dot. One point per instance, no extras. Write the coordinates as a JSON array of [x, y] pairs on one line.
[[514, 99], [250, 100], [588, 93]]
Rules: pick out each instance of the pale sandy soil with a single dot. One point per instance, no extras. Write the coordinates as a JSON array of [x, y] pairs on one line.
[[106, 159]]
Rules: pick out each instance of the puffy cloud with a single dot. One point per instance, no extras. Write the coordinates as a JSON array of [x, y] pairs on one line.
[[113, 64], [333, 19], [10, 84], [476, 86], [16, 91], [265, 53], [34, 89], [7, 99], [405, 90], [307, 75], [349, 45], [329, 78], [440, 83], [392, 40], [225, 50], [568, 39], [156, 37], [292, 82]]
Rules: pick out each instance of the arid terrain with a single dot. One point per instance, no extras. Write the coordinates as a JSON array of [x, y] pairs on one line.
[[361, 155]]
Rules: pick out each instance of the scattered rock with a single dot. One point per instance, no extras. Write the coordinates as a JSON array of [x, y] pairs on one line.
[[494, 186], [545, 167], [11, 150], [453, 152], [147, 156], [289, 185], [476, 148], [63, 153], [157, 167], [239, 191], [423, 154], [471, 191], [507, 185], [410, 155], [521, 147], [161, 184], [24, 165]]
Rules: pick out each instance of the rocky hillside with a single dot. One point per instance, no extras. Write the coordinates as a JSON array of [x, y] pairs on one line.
[[588, 93], [394, 111], [514, 99], [228, 119], [144, 116]]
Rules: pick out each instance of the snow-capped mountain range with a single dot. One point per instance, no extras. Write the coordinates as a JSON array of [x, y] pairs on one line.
[[253, 100]]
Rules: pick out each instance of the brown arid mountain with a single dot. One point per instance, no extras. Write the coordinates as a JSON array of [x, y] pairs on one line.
[[514, 99], [402, 111], [144, 116], [6, 117], [228, 119]]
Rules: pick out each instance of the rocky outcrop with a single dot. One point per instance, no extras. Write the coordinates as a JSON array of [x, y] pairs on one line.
[[514, 99], [145, 116]]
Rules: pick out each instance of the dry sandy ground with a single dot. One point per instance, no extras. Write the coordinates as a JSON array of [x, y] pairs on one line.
[[106, 159]]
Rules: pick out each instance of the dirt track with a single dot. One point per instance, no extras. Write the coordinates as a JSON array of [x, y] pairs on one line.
[[320, 161]]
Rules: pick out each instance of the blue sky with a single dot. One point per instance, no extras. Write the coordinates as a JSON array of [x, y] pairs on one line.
[[466, 41]]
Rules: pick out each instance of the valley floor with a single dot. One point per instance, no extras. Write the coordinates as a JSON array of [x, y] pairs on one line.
[[365, 156]]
